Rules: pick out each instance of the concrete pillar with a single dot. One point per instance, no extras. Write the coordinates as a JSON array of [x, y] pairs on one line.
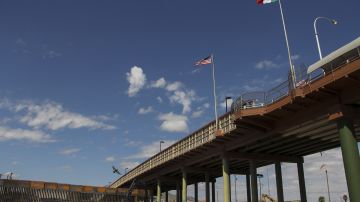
[[226, 178], [146, 197], [302, 187], [184, 186], [279, 184], [248, 189], [167, 196], [207, 188], [196, 195], [152, 196], [158, 194], [213, 196], [351, 159], [254, 185]]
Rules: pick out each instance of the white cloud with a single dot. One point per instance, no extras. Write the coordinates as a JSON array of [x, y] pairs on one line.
[[206, 105], [159, 99], [174, 86], [136, 79], [147, 151], [295, 57], [70, 151], [183, 98], [7, 134], [110, 159], [145, 110], [52, 116], [50, 54], [266, 64], [197, 114], [173, 122], [160, 83]]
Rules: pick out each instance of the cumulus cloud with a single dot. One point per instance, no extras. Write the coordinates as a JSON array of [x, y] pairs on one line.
[[147, 151], [174, 86], [266, 64], [173, 123], [136, 79], [7, 134], [295, 57], [197, 114], [110, 159], [53, 116], [160, 83], [159, 99], [70, 151], [145, 110], [184, 98]]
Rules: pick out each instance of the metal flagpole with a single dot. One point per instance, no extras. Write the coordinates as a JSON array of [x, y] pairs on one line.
[[214, 86], [292, 71]]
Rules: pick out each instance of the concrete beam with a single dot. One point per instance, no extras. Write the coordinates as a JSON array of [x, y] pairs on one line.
[[264, 157]]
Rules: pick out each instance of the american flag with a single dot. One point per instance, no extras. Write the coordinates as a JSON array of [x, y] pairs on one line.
[[205, 61]]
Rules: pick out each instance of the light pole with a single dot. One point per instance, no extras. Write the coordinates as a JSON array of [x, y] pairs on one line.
[[323, 167], [161, 142], [226, 106], [126, 170], [235, 189], [316, 33]]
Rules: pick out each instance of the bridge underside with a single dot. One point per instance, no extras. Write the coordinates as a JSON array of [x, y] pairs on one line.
[[298, 125]]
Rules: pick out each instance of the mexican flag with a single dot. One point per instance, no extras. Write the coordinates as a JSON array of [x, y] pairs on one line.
[[265, 1]]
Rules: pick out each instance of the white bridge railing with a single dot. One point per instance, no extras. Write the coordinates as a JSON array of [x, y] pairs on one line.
[[194, 140]]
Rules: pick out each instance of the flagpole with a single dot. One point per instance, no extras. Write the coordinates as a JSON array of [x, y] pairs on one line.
[[292, 71], [214, 88]]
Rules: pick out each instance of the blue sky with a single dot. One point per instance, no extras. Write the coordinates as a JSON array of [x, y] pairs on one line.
[[85, 85]]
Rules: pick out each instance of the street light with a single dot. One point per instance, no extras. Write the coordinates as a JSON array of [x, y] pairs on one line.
[[323, 167], [161, 142], [334, 22], [227, 98], [126, 170]]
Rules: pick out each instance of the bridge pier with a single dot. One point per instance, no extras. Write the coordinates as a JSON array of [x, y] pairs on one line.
[[279, 184], [248, 189], [196, 196], [350, 154], [158, 194], [301, 176], [207, 188], [167, 196], [254, 185], [184, 186], [213, 191], [177, 192], [226, 178]]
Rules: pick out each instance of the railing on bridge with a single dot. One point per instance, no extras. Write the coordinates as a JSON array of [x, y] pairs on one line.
[[196, 139]]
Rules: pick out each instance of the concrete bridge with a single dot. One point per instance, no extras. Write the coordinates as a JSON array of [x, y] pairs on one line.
[[288, 123]]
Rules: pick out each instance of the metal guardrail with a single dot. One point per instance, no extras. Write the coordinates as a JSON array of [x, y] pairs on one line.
[[196, 139]]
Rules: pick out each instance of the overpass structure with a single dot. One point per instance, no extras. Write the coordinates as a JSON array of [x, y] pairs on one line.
[[281, 125]]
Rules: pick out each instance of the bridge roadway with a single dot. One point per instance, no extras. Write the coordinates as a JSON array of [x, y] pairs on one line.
[[319, 115]]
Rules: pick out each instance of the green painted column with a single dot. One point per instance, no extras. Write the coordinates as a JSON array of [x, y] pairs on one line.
[[226, 179], [207, 188], [196, 195], [158, 194], [166, 196], [248, 189], [350, 154], [177, 192], [213, 191], [184, 186], [279, 184], [254, 184], [302, 187]]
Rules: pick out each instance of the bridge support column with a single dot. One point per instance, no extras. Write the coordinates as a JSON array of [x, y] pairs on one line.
[[248, 189], [152, 196], [226, 178], [279, 184], [167, 196], [351, 159], [207, 188], [213, 191], [184, 186], [302, 187], [254, 185], [177, 192], [158, 195], [196, 195]]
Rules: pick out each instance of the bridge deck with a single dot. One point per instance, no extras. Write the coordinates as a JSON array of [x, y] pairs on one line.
[[298, 124]]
